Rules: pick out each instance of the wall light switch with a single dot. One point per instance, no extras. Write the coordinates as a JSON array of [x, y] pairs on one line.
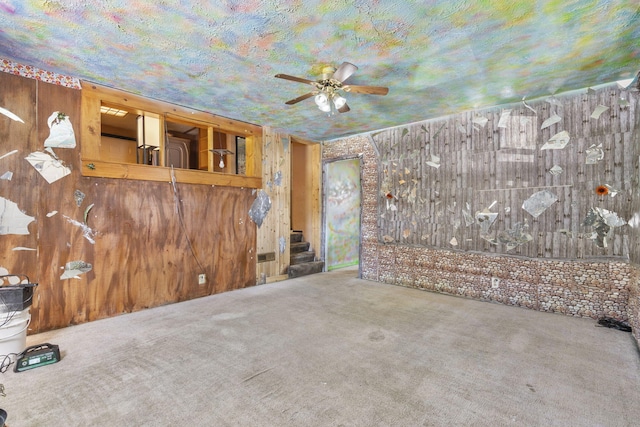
[[202, 279]]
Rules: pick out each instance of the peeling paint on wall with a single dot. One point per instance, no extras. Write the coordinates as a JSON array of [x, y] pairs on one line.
[[11, 115], [595, 153], [87, 232], [73, 269], [61, 133], [78, 197], [597, 112], [277, 178], [557, 141], [260, 208], [518, 235], [555, 170], [602, 221], [551, 121], [12, 219], [50, 168], [8, 154], [539, 202]]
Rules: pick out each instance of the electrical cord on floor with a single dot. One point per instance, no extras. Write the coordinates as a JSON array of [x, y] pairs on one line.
[[5, 362]]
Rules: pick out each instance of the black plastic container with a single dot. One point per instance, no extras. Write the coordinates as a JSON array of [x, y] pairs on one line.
[[16, 297]]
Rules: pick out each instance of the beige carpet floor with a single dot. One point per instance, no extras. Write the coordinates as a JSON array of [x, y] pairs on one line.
[[331, 350]]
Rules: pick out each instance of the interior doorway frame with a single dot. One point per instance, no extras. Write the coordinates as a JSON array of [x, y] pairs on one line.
[[325, 164], [305, 188]]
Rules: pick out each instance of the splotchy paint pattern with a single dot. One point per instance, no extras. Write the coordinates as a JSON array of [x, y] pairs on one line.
[[342, 213], [437, 57]]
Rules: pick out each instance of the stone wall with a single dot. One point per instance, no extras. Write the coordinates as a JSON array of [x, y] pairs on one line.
[[634, 301], [586, 289]]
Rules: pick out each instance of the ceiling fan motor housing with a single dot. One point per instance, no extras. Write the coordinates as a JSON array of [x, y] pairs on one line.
[[327, 72]]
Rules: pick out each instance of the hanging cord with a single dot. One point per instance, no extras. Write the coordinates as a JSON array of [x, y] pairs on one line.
[[7, 317], [176, 199]]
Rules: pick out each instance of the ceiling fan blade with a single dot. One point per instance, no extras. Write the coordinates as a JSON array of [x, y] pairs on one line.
[[295, 79], [369, 90], [344, 109], [300, 98], [344, 71]]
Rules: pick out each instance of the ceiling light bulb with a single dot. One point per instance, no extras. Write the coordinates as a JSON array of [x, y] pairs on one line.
[[339, 102], [321, 99], [221, 164], [325, 107]]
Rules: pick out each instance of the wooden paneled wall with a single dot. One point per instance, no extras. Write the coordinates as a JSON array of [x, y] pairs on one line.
[[431, 172], [274, 233], [151, 241]]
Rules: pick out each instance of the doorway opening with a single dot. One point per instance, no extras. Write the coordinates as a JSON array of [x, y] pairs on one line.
[[342, 195]]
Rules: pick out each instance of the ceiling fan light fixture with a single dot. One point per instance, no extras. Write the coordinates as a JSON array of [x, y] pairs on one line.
[[321, 99], [326, 108], [339, 101]]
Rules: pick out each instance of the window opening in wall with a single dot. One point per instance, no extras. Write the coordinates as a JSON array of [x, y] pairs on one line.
[[221, 152], [119, 134], [186, 145], [142, 137]]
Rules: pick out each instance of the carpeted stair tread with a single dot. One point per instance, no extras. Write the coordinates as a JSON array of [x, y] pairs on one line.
[[304, 269], [302, 257], [299, 247]]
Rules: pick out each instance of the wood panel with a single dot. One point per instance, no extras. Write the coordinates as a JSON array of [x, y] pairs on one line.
[[18, 95], [101, 169], [60, 302], [276, 169], [94, 95], [149, 240]]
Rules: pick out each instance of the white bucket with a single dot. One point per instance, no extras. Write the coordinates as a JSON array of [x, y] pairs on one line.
[[13, 331]]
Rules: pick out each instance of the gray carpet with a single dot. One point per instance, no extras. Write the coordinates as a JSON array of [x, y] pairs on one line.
[[331, 350]]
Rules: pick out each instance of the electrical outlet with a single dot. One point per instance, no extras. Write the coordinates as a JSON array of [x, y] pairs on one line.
[[202, 279], [495, 282]]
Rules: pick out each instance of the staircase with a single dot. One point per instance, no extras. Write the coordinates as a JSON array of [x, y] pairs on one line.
[[303, 261]]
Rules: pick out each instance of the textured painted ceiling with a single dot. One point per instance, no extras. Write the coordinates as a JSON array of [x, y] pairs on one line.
[[436, 57]]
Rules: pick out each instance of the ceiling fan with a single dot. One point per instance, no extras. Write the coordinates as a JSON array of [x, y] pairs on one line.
[[327, 92]]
